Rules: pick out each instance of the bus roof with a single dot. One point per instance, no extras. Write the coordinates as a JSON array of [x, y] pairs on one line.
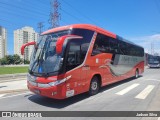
[[84, 26], [89, 27]]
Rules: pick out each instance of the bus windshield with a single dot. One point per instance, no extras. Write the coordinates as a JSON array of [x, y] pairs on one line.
[[44, 60], [153, 60]]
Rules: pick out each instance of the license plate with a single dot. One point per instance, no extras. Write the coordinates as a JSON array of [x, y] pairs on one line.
[[153, 66]]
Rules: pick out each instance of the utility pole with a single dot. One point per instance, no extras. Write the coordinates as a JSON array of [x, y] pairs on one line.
[[54, 14], [40, 27]]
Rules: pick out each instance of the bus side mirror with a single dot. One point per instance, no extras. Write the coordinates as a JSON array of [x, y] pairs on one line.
[[25, 45], [62, 39]]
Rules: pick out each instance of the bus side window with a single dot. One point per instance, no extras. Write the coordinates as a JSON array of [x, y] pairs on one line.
[[97, 45], [101, 45], [96, 50], [114, 46], [123, 47], [73, 56]]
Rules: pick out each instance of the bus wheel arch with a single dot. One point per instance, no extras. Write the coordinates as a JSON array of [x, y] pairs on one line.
[[95, 84]]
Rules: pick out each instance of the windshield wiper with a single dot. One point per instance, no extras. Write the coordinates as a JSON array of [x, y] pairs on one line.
[[36, 62], [49, 73]]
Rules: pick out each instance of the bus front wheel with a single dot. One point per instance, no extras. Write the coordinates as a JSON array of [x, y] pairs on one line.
[[94, 86]]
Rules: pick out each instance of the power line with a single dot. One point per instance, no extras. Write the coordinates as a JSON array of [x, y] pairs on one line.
[[79, 12], [38, 13], [71, 15], [22, 8], [14, 24], [29, 11], [22, 16], [65, 11]]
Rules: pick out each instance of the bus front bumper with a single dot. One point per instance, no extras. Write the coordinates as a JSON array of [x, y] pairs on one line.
[[51, 92]]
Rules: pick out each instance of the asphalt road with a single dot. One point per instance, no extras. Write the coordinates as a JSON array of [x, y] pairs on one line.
[[140, 94]]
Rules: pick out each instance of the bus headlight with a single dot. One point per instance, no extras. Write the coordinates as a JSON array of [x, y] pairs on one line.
[[31, 78], [59, 81]]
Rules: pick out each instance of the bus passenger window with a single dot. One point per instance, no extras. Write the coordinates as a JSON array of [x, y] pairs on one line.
[[96, 50], [101, 44], [73, 56]]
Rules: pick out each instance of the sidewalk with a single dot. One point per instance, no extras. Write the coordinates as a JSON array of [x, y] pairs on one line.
[[13, 86]]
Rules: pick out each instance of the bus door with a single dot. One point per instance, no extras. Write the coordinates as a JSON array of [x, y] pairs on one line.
[[74, 67]]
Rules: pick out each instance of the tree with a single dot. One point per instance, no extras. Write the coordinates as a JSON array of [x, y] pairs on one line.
[[26, 62], [16, 59], [4, 61], [9, 59]]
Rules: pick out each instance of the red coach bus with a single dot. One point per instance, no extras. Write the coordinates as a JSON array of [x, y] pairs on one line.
[[79, 58]]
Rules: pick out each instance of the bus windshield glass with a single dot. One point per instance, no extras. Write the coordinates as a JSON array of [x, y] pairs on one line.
[[44, 60], [153, 60]]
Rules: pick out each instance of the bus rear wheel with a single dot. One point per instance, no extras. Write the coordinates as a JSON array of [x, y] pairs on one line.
[[94, 86]]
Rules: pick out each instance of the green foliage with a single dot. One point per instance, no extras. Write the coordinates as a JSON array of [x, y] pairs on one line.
[[4, 61], [16, 59], [12, 59], [26, 62], [9, 59]]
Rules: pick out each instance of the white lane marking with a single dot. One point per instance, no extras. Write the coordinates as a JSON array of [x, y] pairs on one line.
[[158, 80], [158, 118], [1, 95], [94, 97], [124, 91], [15, 95], [145, 92]]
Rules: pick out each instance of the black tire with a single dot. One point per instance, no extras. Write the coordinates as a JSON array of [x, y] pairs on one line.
[[136, 74], [94, 86]]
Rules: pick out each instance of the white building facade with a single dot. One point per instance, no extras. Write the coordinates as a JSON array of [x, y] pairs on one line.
[[3, 42], [22, 36]]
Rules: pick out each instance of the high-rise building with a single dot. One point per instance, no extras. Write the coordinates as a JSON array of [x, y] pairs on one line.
[[3, 42], [22, 36]]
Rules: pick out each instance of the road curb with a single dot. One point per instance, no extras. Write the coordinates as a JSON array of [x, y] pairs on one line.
[[12, 80], [13, 91], [11, 77]]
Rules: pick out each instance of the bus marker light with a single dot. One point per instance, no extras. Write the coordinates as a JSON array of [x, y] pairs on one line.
[[97, 60]]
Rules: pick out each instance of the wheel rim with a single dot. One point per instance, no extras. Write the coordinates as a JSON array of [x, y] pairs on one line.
[[94, 85]]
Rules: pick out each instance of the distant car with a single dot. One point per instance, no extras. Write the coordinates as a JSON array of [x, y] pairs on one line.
[[154, 64]]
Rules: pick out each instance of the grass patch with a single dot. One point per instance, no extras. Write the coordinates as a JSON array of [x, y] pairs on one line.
[[13, 70]]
